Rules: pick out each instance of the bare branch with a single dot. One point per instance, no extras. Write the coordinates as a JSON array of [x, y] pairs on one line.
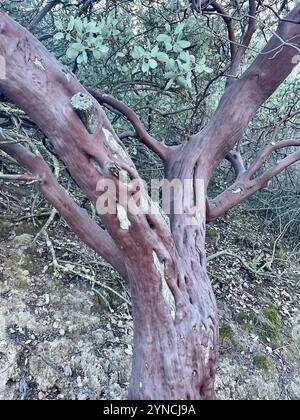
[[244, 96], [42, 13], [283, 120], [245, 42], [17, 178], [266, 6], [230, 27], [267, 151], [160, 149], [245, 186], [77, 218]]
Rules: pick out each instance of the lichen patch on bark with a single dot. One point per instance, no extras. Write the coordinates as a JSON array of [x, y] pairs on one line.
[[39, 64], [208, 347], [113, 144]]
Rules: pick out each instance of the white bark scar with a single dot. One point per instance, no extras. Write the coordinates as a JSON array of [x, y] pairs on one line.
[[167, 294], [114, 145], [123, 218]]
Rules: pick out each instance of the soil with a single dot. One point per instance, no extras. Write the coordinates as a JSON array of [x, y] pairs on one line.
[[65, 316]]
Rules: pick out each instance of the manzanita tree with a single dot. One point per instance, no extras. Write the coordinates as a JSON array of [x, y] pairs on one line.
[[164, 262]]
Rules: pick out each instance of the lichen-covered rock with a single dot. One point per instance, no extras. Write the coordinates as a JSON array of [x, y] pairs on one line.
[[58, 341], [235, 382]]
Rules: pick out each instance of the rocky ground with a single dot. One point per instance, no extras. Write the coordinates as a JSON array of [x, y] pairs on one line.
[[66, 327]]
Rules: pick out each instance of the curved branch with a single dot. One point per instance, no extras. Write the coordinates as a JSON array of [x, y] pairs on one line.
[[245, 186], [160, 149], [42, 13], [237, 163], [283, 120], [77, 218], [266, 6], [230, 27], [267, 151], [245, 42]]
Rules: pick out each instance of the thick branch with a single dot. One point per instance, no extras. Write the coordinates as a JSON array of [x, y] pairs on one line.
[[245, 186], [160, 149], [243, 97], [44, 88], [237, 163], [78, 220]]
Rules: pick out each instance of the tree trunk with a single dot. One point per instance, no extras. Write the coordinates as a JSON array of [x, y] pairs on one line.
[[174, 309], [174, 358], [175, 318]]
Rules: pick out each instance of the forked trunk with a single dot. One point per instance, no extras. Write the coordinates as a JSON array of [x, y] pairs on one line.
[[175, 316]]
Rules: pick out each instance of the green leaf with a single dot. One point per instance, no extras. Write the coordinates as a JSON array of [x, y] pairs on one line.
[[189, 80], [92, 27], [82, 58], [78, 26], [152, 63], [71, 53], [168, 46], [199, 68], [169, 84], [187, 57], [138, 52], [71, 24], [183, 44], [171, 65], [125, 68], [136, 69], [59, 35], [162, 56], [181, 81], [91, 41], [103, 49], [185, 67], [145, 67], [164, 38], [155, 51], [179, 29], [77, 46], [208, 70], [170, 75], [58, 24], [97, 54]]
